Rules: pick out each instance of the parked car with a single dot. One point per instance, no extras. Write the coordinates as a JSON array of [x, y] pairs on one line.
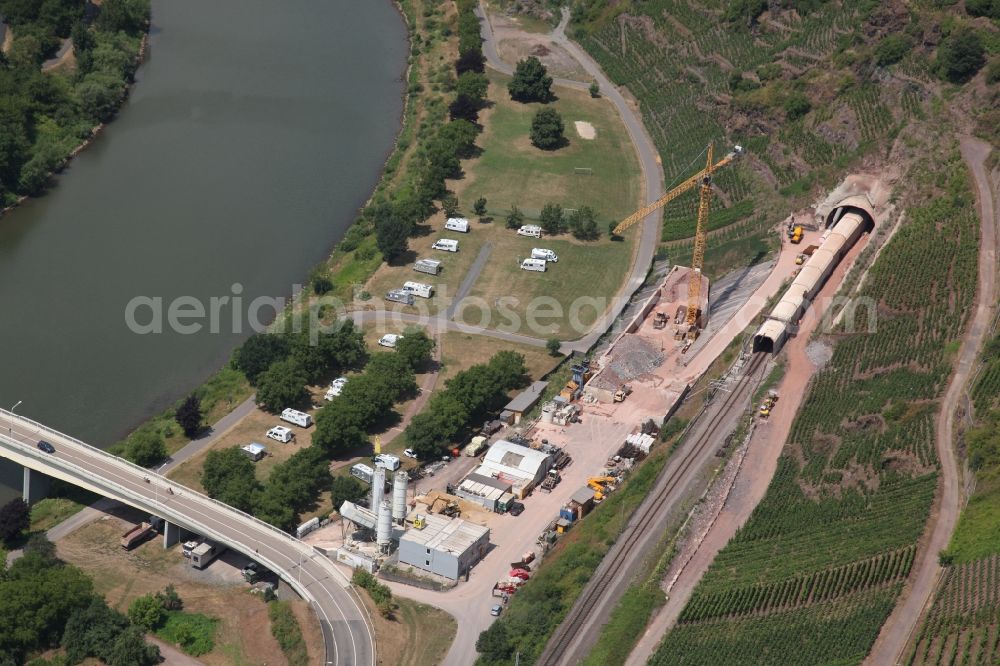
[[410, 453], [496, 610], [281, 434], [515, 509], [389, 340], [45, 446]]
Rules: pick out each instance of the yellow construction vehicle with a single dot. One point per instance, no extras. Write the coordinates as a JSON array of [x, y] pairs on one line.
[[599, 485], [623, 392], [660, 320], [703, 179], [796, 236]]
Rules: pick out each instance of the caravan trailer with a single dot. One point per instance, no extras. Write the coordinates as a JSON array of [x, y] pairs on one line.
[[457, 224], [298, 418], [446, 244], [418, 289], [429, 266], [534, 265], [363, 472], [400, 296]]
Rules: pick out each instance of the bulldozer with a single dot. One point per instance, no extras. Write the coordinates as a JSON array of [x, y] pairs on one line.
[[623, 392], [660, 320]]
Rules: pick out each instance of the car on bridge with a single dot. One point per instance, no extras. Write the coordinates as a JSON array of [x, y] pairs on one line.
[[45, 446]]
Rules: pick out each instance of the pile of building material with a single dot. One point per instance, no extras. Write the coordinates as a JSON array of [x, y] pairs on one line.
[[641, 441]]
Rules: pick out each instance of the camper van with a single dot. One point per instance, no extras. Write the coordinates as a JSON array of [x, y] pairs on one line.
[[542, 253], [534, 265], [532, 230], [336, 386], [281, 434], [457, 224], [389, 340], [390, 462], [400, 296], [418, 289], [430, 266], [298, 418], [446, 244], [363, 472]]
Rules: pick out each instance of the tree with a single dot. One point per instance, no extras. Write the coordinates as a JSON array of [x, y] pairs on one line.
[[472, 85], [258, 353], [450, 205], [470, 61], [547, 130], [553, 345], [169, 599], [282, 385], [531, 82], [430, 432], [960, 55], [892, 49], [464, 108], [15, 517], [146, 612], [479, 207], [797, 105], [129, 16], [595, 89], [515, 218], [391, 233], [145, 447], [188, 416], [990, 8], [320, 280], [131, 649], [551, 219], [228, 476], [346, 489], [493, 645], [415, 347], [583, 224], [91, 631]]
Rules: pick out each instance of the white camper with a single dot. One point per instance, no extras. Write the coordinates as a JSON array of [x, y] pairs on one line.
[[542, 253], [532, 230], [389, 461], [430, 266], [418, 289], [446, 244], [336, 387], [389, 340], [281, 434], [534, 265], [298, 418], [363, 472], [457, 224], [400, 296]]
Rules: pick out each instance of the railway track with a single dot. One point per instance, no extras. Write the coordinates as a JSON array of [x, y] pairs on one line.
[[616, 567]]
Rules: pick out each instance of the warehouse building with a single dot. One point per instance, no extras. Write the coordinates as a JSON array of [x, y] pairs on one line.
[[447, 547], [521, 467], [523, 403], [483, 490]]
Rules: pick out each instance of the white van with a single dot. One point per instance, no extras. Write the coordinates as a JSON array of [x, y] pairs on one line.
[[418, 289], [400, 296], [430, 266], [457, 224], [390, 462], [298, 418], [534, 265], [389, 340], [281, 434], [446, 244], [542, 253], [532, 230], [336, 387]]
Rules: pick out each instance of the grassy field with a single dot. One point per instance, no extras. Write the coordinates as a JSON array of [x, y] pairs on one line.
[[460, 351], [63, 501], [415, 635]]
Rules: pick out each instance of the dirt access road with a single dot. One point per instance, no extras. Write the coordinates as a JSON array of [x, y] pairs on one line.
[[905, 618]]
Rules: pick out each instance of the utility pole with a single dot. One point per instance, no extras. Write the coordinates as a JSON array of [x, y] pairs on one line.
[[10, 428]]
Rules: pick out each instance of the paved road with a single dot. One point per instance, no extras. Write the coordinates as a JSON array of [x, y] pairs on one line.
[[470, 278], [905, 618], [645, 149], [348, 636]]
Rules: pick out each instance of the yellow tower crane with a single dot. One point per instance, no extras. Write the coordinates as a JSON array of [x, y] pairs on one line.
[[704, 179]]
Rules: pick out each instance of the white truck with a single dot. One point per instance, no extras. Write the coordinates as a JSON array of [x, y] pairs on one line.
[[429, 266], [296, 417], [532, 230], [446, 244], [418, 289], [534, 265], [542, 253], [459, 224]]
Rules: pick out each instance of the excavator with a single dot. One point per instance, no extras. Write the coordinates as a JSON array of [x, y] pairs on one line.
[[703, 179], [599, 485]]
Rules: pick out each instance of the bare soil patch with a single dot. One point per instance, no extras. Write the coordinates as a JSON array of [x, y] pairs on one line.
[[585, 130]]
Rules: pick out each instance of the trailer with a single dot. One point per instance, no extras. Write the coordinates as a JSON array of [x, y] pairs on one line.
[[534, 265], [399, 296], [418, 289], [136, 535], [429, 266], [205, 553]]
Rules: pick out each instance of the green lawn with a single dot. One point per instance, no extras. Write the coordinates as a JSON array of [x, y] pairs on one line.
[[978, 531], [193, 632], [64, 500]]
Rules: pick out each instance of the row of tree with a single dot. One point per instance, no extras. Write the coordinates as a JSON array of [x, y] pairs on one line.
[[466, 401], [45, 603], [553, 220], [43, 117]]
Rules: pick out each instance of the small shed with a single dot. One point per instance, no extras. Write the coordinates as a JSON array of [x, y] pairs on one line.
[[581, 502], [525, 400], [254, 451]]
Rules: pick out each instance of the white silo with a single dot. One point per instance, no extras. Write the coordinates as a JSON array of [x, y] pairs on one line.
[[399, 496], [378, 487], [383, 533]]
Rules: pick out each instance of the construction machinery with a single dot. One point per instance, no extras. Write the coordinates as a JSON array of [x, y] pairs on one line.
[[574, 387], [551, 480], [703, 179], [660, 320], [599, 484], [796, 235], [623, 392], [768, 404]]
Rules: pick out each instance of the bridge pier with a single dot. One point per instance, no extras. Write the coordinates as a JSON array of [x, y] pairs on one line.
[[171, 534], [35, 486]]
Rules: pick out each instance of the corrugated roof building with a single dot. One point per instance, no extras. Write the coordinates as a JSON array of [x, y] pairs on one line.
[[447, 547], [518, 465], [525, 400]]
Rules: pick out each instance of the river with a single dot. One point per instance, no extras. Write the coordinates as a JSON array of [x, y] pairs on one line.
[[254, 132]]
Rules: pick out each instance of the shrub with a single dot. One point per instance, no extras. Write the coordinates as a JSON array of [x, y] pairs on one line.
[[960, 55], [548, 130], [892, 49]]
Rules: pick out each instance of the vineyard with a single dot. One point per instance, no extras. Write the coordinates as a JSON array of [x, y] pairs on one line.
[[822, 558], [963, 625], [679, 60]]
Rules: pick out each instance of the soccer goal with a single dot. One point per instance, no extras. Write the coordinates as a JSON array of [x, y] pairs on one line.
[[583, 171]]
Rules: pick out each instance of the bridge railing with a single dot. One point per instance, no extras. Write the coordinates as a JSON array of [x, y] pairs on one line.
[[41, 427]]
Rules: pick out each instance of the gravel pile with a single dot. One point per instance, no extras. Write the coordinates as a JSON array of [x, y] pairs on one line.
[[632, 357]]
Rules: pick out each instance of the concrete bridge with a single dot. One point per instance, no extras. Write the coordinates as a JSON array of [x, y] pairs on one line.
[[346, 627]]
